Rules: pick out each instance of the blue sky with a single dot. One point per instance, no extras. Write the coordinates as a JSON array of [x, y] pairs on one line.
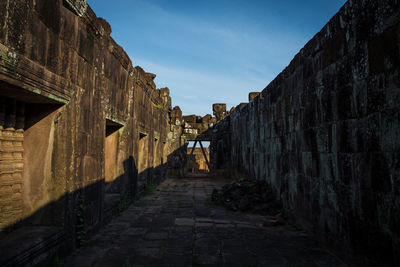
[[213, 51]]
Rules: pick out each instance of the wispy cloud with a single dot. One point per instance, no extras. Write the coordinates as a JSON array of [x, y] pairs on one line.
[[222, 63], [195, 91], [205, 57], [216, 43]]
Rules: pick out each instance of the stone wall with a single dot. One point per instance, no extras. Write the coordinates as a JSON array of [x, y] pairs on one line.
[[82, 131], [72, 112], [213, 129], [325, 132], [11, 160], [196, 163]]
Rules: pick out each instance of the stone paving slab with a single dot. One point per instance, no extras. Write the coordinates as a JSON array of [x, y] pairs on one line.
[[179, 226]]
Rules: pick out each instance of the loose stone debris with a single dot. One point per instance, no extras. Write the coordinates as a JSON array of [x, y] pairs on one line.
[[248, 196]]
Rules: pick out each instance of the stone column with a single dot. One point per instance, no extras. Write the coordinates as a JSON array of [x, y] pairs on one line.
[[219, 111]]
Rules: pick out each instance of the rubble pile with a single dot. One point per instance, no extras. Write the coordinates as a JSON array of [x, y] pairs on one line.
[[248, 196]]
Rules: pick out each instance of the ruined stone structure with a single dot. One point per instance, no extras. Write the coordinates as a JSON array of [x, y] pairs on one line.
[[83, 131], [191, 128], [325, 132], [197, 161]]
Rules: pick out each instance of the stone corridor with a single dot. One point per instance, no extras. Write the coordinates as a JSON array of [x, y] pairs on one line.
[[178, 225], [84, 131]]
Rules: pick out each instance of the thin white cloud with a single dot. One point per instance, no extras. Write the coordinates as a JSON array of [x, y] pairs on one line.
[[227, 64], [246, 42], [195, 91]]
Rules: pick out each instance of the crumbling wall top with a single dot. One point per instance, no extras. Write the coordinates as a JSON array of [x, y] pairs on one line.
[[105, 26], [79, 7], [253, 95]]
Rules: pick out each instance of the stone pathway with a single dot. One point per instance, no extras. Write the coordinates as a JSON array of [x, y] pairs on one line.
[[179, 226]]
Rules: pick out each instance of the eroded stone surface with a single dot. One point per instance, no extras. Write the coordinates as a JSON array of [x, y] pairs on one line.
[[324, 133]]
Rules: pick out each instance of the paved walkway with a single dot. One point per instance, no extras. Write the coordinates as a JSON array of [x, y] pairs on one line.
[[179, 226]]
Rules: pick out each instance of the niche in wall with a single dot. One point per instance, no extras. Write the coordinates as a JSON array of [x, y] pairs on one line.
[[26, 143], [111, 150], [143, 156]]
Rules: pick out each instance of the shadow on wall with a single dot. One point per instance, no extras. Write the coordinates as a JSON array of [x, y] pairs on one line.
[[58, 227], [176, 162], [192, 164], [61, 225]]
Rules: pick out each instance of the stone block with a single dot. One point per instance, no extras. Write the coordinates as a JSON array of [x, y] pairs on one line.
[[191, 131], [16, 196], [253, 95], [184, 221], [164, 91], [105, 26], [190, 118], [219, 108], [16, 188], [201, 224], [6, 190], [176, 112], [77, 6], [176, 121], [206, 118], [219, 111]]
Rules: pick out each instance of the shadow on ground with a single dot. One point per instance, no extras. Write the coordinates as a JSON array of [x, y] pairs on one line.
[[178, 225]]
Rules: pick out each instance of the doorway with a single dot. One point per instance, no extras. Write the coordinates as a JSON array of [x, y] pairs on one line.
[[143, 157], [198, 158], [111, 150]]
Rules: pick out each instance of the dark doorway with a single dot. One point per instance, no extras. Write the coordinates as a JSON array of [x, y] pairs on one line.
[[111, 150], [143, 157]]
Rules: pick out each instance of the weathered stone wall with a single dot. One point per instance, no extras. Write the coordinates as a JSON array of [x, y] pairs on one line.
[[152, 124], [325, 133], [72, 109], [11, 159], [196, 163], [207, 128]]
